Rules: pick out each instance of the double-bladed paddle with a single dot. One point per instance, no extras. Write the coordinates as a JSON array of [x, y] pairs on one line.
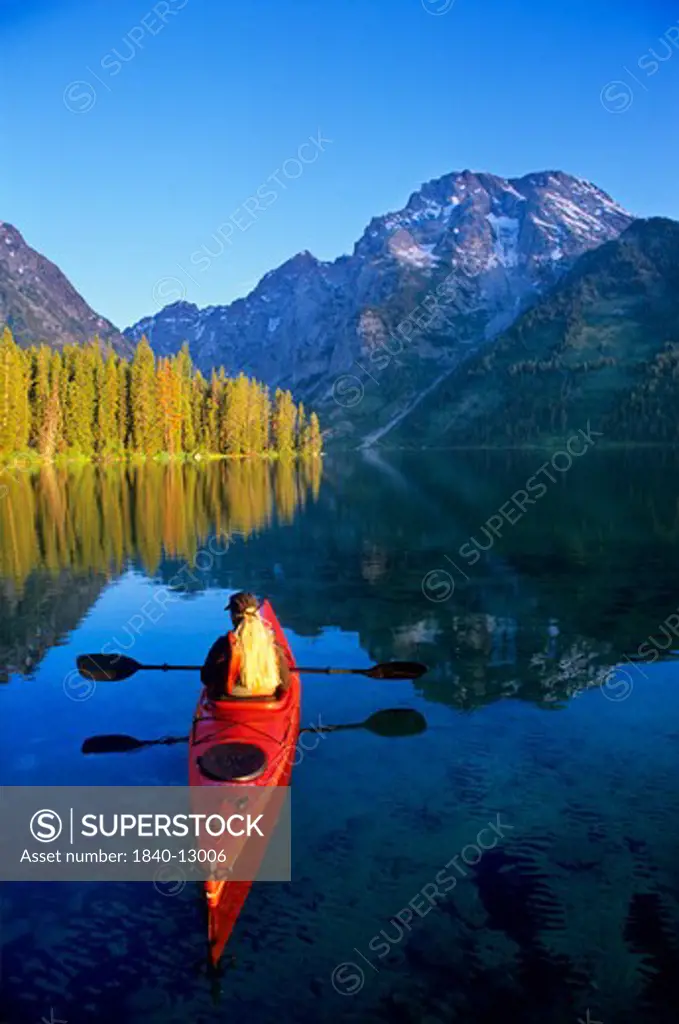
[[111, 668], [389, 723]]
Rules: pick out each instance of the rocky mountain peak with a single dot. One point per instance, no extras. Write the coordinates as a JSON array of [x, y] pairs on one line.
[[497, 242], [39, 303]]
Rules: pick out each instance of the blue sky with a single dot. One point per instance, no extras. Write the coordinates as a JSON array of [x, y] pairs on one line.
[[132, 135]]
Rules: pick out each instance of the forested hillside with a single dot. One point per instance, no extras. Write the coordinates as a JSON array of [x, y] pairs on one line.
[[603, 347]]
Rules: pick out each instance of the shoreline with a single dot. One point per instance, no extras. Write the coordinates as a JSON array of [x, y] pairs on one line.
[[21, 461], [545, 446]]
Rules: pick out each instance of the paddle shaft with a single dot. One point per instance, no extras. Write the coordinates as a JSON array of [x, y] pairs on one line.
[[197, 668], [111, 668], [168, 668], [333, 728], [333, 671], [164, 741]]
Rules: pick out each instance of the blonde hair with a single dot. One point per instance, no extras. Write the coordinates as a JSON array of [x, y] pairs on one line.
[[259, 664]]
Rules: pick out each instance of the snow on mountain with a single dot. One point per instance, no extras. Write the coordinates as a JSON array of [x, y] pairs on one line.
[[506, 240]]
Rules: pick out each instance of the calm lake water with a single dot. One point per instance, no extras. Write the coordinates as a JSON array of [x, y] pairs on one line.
[[534, 715]]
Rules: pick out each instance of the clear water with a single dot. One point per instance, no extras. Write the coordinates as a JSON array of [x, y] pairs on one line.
[[534, 715]]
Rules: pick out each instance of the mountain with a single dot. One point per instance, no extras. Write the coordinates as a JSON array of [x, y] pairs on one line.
[[474, 249], [602, 348], [39, 303]]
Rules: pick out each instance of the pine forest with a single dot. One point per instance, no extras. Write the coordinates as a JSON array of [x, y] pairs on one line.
[[89, 403]]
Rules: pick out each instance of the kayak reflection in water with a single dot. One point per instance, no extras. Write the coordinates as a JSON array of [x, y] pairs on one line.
[[247, 661]]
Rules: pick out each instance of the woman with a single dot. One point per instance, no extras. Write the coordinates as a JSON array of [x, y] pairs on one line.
[[247, 662]]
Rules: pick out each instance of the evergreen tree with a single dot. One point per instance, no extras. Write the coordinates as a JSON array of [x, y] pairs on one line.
[[146, 438], [124, 418], [21, 399], [212, 411], [108, 408], [301, 428], [314, 442], [284, 418], [65, 372], [13, 398], [80, 402], [197, 409], [169, 392], [41, 390], [265, 414], [56, 409], [183, 369], [50, 425], [7, 389], [234, 418], [257, 433]]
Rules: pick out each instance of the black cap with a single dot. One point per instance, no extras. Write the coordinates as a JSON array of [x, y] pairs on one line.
[[240, 602]]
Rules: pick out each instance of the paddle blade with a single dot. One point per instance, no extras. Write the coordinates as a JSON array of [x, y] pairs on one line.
[[396, 722], [396, 670], [106, 668], [111, 744]]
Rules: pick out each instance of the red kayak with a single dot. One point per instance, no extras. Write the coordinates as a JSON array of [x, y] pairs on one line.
[[263, 727]]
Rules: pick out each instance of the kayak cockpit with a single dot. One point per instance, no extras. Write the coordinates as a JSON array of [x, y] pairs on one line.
[[233, 762]]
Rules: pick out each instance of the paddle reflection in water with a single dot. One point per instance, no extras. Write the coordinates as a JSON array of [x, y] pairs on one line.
[[389, 723]]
